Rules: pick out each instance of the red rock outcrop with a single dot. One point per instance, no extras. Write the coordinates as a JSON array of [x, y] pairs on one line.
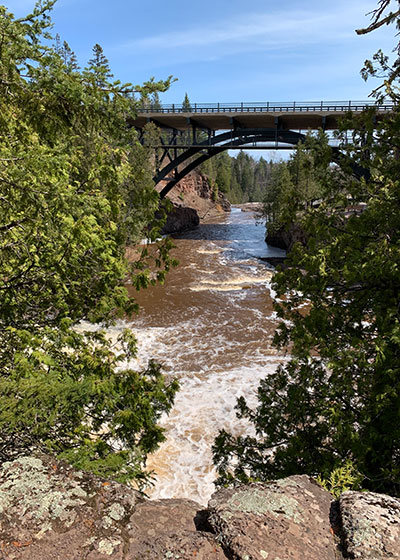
[[193, 200]]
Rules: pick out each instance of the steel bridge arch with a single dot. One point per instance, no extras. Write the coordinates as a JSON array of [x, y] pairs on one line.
[[217, 144]]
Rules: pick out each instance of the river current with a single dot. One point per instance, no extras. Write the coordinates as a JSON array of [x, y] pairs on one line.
[[210, 325]]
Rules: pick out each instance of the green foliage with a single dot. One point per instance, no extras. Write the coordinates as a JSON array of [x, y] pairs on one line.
[[75, 189], [299, 183], [341, 479], [241, 179], [67, 394], [186, 107], [337, 398]]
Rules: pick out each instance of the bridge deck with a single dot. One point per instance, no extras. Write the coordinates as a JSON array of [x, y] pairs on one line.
[[293, 116]]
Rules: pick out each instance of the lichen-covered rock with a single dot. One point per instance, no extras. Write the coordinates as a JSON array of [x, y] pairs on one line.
[[158, 528], [49, 511], [371, 525], [288, 518], [161, 529], [163, 516]]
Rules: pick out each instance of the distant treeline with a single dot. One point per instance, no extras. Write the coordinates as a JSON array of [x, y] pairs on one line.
[[241, 178]]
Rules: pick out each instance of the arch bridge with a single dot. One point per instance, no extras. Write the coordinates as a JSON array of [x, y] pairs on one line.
[[192, 133]]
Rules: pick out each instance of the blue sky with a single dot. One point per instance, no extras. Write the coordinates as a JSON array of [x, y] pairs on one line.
[[227, 50]]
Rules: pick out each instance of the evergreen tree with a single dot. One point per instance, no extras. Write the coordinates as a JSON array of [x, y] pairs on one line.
[[155, 101], [223, 175], [186, 107], [75, 189], [99, 67], [67, 55], [278, 196], [337, 400]]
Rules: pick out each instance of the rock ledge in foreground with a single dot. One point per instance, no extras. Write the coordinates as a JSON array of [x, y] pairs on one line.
[[285, 519], [371, 525]]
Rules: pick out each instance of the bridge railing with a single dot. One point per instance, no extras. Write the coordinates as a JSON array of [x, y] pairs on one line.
[[267, 107]]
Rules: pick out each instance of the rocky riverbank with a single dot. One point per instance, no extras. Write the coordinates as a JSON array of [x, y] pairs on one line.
[[193, 200], [50, 511], [285, 237]]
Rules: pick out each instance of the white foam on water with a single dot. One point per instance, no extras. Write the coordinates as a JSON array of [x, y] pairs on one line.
[[210, 251], [217, 342], [204, 405], [226, 288]]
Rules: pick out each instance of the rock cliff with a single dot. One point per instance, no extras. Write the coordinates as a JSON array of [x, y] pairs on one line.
[[286, 237], [193, 200], [49, 511]]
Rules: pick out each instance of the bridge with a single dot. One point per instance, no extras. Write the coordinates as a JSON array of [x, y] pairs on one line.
[[192, 133]]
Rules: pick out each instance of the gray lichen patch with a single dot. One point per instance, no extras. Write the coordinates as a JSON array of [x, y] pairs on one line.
[[116, 512], [107, 522], [258, 503], [363, 531], [107, 546], [28, 486], [285, 482]]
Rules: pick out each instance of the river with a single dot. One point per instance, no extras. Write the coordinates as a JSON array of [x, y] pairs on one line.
[[210, 325]]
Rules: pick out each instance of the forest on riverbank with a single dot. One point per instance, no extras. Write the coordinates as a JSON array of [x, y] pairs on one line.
[[331, 408]]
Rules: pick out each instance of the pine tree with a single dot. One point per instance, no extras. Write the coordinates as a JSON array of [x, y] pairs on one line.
[[99, 66], [66, 54], [186, 107], [336, 402]]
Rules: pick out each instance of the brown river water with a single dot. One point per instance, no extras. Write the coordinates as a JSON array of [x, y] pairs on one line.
[[211, 325]]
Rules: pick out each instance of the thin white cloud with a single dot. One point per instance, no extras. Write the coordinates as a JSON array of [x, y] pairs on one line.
[[258, 29]]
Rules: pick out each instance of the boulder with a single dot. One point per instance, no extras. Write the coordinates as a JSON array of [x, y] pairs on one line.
[[371, 525], [180, 218], [288, 518], [286, 237], [49, 511], [193, 200], [185, 545], [161, 527]]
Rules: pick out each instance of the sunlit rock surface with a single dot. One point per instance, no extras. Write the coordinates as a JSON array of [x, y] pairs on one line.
[[288, 518], [193, 200], [49, 511], [371, 525]]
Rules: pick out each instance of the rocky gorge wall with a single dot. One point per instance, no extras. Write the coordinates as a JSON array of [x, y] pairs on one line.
[[49, 511], [193, 200], [286, 237]]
